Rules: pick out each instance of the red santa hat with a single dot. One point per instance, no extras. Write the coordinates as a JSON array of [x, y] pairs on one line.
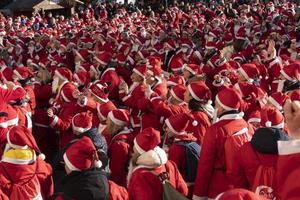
[[178, 92], [192, 68], [82, 53], [295, 95], [82, 77], [23, 73], [98, 90], [7, 73], [175, 80], [271, 117], [249, 71], [82, 155], [103, 58], [147, 140], [291, 72], [104, 109], [119, 117], [19, 137], [199, 91], [229, 99], [64, 74], [140, 70], [176, 64], [254, 117], [210, 45], [238, 194], [278, 99], [178, 123], [82, 122]]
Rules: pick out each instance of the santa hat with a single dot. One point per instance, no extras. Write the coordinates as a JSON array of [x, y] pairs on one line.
[[241, 34], [82, 53], [254, 117], [64, 74], [82, 122], [19, 137], [199, 91], [23, 73], [249, 71], [7, 73], [295, 95], [147, 140], [176, 64], [82, 77], [104, 109], [229, 99], [103, 58], [291, 72], [192, 68], [178, 123], [175, 80], [210, 45], [278, 99], [238, 194], [82, 155], [98, 90], [178, 92], [140, 70], [271, 117], [119, 117]]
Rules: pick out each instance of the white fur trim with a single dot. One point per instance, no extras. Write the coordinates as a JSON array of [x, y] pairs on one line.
[[11, 122], [288, 147], [241, 132], [195, 197], [54, 122], [274, 103], [78, 79], [115, 120], [193, 94], [190, 70], [268, 124], [167, 122], [138, 72], [100, 61], [254, 120], [231, 117], [175, 96], [224, 106], [100, 115], [69, 164], [279, 126], [101, 99]]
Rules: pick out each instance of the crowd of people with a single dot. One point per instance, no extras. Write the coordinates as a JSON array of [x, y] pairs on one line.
[[199, 101]]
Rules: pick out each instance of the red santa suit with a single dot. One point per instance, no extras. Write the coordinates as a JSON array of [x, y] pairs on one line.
[[110, 77], [62, 120], [117, 192], [212, 176]]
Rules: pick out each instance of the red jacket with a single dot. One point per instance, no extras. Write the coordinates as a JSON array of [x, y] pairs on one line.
[[22, 174], [117, 192], [62, 121], [214, 174], [119, 151], [144, 185]]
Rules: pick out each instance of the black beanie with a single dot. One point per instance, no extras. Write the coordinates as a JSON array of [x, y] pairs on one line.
[[265, 140]]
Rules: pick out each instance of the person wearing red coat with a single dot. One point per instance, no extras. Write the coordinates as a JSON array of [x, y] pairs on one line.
[[23, 173], [262, 154], [117, 192], [198, 97], [119, 145], [111, 78], [148, 160], [60, 119], [287, 168], [214, 173]]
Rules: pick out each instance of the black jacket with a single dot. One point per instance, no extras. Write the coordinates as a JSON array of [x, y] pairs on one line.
[[91, 184]]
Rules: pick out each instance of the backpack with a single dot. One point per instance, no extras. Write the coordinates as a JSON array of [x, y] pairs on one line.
[[169, 192], [192, 151], [263, 180], [31, 190]]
